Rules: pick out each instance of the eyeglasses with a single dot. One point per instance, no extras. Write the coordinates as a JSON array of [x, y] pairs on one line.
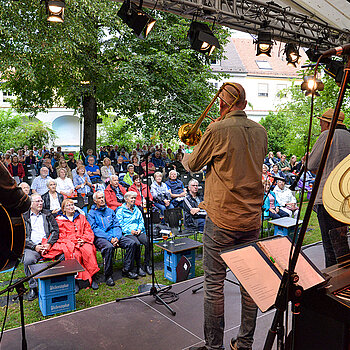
[[38, 201], [194, 185]]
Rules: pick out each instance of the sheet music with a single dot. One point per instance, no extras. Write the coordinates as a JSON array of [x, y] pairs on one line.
[[256, 276], [279, 249]]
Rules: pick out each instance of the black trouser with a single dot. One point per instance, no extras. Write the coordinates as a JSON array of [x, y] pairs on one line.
[[327, 223], [140, 239], [107, 251]]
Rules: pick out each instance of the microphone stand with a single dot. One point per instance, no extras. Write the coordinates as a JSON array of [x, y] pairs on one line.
[[288, 283], [20, 289], [149, 231]]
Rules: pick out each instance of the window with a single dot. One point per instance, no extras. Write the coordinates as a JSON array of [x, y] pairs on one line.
[[7, 96], [263, 65], [214, 62], [280, 88], [263, 90]]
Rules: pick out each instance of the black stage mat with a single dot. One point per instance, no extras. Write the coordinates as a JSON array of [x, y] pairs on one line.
[[141, 323]]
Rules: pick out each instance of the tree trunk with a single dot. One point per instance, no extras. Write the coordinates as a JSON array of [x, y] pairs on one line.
[[90, 118]]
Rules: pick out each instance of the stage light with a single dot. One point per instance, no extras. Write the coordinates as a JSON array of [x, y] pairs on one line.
[[136, 19], [311, 86], [264, 43], [202, 38], [55, 10], [292, 54]]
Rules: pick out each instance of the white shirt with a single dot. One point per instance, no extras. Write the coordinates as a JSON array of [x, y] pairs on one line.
[[284, 196], [54, 203], [65, 185], [38, 232]]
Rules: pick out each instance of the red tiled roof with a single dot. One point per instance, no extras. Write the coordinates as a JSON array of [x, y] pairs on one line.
[[246, 50]]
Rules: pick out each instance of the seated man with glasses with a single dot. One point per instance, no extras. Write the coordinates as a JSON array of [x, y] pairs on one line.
[[41, 235], [194, 216]]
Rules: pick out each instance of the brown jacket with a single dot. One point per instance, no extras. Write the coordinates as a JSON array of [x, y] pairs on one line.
[[234, 151]]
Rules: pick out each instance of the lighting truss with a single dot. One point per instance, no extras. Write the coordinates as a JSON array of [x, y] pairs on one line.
[[249, 15]]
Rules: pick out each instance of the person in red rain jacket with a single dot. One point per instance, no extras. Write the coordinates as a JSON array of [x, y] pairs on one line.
[[76, 239], [114, 193], [141, 190]]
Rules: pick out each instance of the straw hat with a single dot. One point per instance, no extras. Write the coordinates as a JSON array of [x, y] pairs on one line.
[[328, 115], [336, 192]]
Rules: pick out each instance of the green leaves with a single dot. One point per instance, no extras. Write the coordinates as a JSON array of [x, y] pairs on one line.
[[17, 131], [288, 128], [154, 83]]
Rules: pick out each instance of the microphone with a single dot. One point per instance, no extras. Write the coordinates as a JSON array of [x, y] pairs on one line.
[[338, 51]]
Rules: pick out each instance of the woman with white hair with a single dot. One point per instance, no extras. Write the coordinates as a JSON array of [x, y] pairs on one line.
[[52, 199], [131, 222], [64, 184], [161, 193], [107, 170]]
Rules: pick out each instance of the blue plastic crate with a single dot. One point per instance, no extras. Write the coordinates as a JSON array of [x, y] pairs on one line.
[[53, 285], [171, 261], [56, 303], [285, 231]]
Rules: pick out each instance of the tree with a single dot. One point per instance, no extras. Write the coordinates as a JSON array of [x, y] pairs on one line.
[[295, 111], [158, 82], [276, 125], [16, 131]]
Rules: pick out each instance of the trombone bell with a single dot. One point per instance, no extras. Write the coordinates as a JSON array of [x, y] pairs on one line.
[[190, 134], [189, 139]]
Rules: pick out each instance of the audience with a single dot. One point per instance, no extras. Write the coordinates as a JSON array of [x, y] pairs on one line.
[[16, 169], [81, 181], [107, 170], [52, 170], [30, 159], [284, 166], [41, 235], [270, 160], [271, 206], [120, 167], [137, 167], [52, 199], [76, 234], [25, 188], [286, 199], [93, 170], [114, 193], [108, 236], [177, 189], [39, 183], [116, 216], [72, 163], [89, 153], [151, 167], [128, 178], [194, 216], [161, 193], [141, 190], [131, 221], [62, 164], [64, 184]]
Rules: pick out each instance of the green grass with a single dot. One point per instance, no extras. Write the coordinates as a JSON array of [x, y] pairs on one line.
[[123, 287]]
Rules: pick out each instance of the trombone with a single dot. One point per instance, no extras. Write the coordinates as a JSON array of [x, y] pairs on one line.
[[189, 133]]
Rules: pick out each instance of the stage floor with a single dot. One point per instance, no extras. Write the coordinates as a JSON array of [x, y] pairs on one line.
[[141, 323]]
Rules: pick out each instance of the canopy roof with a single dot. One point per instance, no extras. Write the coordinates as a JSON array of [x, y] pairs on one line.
[[312, 23]]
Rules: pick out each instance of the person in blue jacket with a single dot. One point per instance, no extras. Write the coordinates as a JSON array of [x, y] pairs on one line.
[[271, 207], [108, 236], [133, 227]]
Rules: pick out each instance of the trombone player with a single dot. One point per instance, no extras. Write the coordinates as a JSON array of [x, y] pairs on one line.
[[233, 148]]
